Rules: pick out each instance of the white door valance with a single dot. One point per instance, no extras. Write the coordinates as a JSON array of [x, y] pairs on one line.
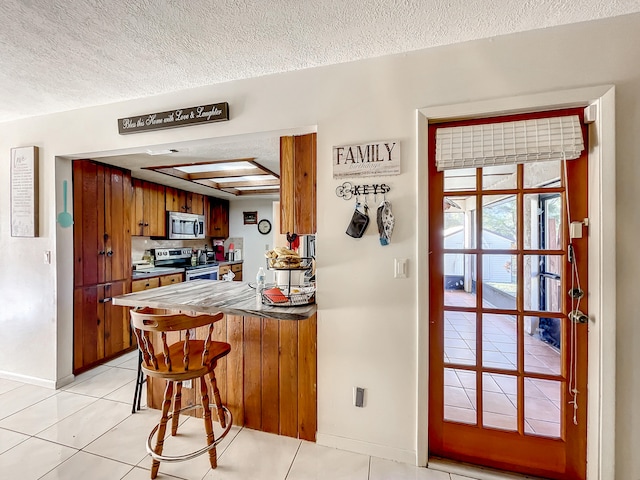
[[535, 140]]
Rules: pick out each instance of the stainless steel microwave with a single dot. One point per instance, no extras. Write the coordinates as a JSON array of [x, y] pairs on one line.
[[185, 225]]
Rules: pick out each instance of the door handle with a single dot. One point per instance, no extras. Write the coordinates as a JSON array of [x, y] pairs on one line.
[[106, 300], [110, 253], [101, 252]]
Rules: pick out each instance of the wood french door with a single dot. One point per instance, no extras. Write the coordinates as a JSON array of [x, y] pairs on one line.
[[504, 356]]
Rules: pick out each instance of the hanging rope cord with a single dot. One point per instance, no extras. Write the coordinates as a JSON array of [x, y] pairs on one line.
[[575, 305]]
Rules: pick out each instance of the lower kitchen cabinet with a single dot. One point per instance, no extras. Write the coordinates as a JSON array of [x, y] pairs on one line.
[[171, 279], [100, 330], [145, 284], [154, 282], [236, 268]]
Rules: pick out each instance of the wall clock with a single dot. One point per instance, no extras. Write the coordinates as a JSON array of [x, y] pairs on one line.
[[264, 226]]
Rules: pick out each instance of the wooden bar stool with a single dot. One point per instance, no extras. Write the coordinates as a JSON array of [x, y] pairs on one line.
[[182, 358]]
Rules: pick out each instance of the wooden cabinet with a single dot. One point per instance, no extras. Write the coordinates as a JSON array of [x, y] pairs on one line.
[[154, 282], [102, 261], [236, 268], [196, 203], [101, 236], [145, 284], [100, 329], [171, 279], [298, 184], [148, 217], [218, 217], [182, 201]]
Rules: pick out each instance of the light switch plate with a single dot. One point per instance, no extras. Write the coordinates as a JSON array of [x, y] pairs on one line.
[[400, 266]]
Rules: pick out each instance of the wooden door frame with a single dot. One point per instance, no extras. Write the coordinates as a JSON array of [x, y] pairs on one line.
[[602, 257]]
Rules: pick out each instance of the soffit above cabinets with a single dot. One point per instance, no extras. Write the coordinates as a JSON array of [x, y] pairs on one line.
[[240, 176]]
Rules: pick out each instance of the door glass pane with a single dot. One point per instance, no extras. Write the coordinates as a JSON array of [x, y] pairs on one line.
[[542, 400], [542, 345], [499, 222], [542, 174], [499, 405], [543, 222], [459, 396], [460, 338], [459, 280], [499, 281], [499, 341], [542, 282], [459, 179], [459, 222], [500, 177]]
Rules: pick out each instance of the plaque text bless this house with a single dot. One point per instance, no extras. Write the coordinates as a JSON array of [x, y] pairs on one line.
[[180, 117], [367, 159]]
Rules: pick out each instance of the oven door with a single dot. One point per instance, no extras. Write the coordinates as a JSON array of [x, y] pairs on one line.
[[202, 274]]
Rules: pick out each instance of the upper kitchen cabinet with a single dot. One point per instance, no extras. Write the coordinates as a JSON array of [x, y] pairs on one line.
[[148, 217], [218, 217], [298, 184], [182, 201], [101, 236]]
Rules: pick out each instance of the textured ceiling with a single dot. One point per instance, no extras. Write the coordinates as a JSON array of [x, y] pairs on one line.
[[58, 55], [61, 55]]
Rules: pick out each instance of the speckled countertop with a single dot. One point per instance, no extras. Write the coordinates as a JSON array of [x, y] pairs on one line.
[[210, 296]]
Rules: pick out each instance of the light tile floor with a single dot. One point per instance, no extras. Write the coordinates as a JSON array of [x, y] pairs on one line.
[[86, 431]]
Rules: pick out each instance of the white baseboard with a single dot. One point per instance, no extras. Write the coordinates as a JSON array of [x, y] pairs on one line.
[[372, 449], [65, 381], [40, 382]]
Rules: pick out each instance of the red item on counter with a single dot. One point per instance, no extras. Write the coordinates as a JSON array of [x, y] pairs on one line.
[[275, 295], [296, 243]]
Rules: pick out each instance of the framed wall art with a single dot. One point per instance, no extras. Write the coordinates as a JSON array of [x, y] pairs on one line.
[[250, 218], [24, 192]]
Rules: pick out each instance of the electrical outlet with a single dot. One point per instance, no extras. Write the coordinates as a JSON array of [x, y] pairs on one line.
[[358, 396], [187, 384]]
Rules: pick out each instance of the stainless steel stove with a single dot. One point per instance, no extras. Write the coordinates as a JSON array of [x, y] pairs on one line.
[[181, 258]]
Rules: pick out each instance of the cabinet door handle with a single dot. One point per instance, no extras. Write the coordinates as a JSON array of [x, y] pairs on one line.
[[105, 300], [101, 252], [110, 253], [146, 224], [141, 223]]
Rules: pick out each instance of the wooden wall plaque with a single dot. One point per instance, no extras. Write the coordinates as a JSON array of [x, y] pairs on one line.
[[180, 117]]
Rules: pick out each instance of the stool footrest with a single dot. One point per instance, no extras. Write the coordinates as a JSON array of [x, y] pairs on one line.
[[188, 456]]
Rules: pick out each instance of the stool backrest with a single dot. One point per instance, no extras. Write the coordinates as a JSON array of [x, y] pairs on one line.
[[146, 320]]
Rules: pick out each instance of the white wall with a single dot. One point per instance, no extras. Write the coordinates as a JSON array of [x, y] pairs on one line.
[[363, 311], [253, 241]]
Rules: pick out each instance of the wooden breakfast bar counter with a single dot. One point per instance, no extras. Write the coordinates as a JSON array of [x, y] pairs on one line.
[[268, 381]]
